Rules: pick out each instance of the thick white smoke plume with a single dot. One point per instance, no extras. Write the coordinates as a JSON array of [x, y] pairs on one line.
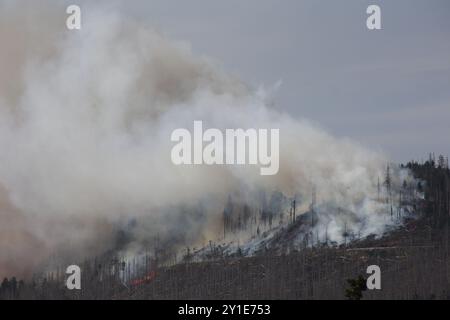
[[85, 124]]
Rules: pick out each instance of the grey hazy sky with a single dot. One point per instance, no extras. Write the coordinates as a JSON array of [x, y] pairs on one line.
[[388, 89]]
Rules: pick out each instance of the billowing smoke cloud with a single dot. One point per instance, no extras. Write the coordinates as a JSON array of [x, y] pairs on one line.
[[85, 124]]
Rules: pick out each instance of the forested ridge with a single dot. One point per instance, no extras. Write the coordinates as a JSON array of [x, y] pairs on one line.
[[414, 262]]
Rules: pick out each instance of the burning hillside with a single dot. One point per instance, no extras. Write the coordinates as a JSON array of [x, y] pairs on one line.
[[85, 126]]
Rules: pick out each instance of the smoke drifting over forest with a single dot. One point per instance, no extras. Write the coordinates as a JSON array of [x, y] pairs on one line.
[[85, 124]]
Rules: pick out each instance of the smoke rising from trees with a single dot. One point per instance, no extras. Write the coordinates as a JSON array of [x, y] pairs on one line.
[[85, 123]]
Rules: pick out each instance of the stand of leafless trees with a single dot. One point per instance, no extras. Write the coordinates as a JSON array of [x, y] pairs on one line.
[[414, 262]]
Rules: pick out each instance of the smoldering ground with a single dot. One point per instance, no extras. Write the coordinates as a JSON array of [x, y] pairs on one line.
[[85, 124]]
